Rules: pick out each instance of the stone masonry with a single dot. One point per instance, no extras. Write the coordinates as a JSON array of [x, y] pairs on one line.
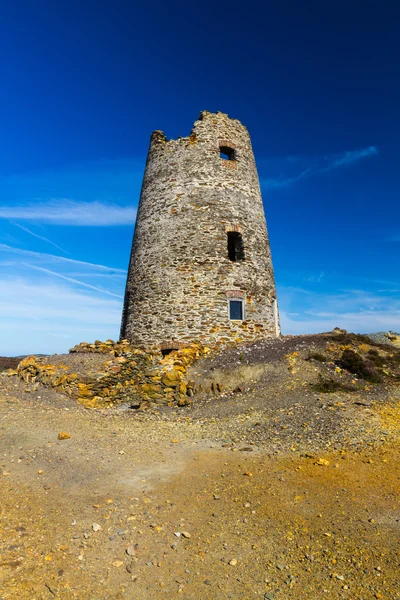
[[200, 267]]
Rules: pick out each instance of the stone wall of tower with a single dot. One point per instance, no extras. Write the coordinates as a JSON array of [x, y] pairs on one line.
[[180, 276]]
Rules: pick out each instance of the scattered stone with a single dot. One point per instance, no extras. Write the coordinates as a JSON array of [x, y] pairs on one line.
[[186, 534], [322, 462], [233, 562], [117, 563], [96, 527], [63, 435], [131, 375]]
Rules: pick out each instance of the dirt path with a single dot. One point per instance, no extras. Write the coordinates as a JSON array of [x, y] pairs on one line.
[[264, 521]]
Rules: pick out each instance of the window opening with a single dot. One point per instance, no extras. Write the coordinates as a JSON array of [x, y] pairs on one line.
[[236, 310], [227, 153], [235, 246]]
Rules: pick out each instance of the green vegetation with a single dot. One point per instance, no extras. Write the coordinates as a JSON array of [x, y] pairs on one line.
[[365, 369], [329, 385], [317, 356]]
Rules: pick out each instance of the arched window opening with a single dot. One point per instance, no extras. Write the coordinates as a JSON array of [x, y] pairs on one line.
[[227, 153], [235, 246]]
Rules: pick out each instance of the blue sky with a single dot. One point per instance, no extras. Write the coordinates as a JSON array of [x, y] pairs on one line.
[[85, 83]]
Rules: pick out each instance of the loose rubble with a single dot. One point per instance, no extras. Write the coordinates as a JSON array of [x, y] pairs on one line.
[[131, 375]]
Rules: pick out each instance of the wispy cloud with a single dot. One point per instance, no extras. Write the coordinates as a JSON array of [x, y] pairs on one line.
[[316, 278], [39, 237], [70, 212], [43, 316], [315, 166], [282, 181], [75, 281], [353, 156], [55, 258], [355, 310]]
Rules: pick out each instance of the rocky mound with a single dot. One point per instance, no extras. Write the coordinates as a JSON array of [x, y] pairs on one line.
[[392, 338], [106, 373]]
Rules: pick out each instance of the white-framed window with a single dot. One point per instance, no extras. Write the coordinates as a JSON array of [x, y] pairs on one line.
[[236, 309]]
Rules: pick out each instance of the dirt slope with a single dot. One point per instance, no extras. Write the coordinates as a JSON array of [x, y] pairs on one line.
[[285, 491]]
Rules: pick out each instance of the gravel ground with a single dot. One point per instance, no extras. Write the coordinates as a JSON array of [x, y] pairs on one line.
[[272, 491]]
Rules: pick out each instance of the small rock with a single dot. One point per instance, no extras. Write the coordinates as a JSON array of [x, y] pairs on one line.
[[186, 534], [322, 462], [131, 550], [117, 563], [233, 562], [96, 527], [63, 435]]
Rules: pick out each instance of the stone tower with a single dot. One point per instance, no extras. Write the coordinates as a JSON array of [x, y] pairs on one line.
[[200, 267]]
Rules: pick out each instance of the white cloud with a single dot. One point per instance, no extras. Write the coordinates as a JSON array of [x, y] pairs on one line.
[[41, 317], [353, 322], [355, 310], [278, 182], [76, 281], [55, 258], [319, 165], [70, 212], [353, 156], [39, 237], [316, 278]]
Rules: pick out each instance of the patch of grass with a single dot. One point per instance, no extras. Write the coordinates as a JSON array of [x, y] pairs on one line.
[[354, 363], [346, 339], [317, 356], [329, 385], [394, 359], [8, 363], [376, 358]]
